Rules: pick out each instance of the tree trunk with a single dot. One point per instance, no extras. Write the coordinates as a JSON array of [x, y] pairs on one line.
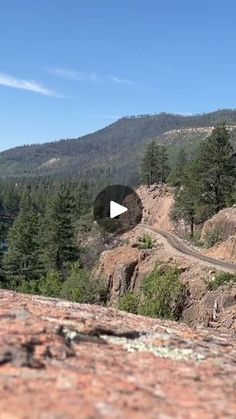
[[191, 227]]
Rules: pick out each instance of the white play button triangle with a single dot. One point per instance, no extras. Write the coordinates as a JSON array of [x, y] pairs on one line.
[[116, 209]]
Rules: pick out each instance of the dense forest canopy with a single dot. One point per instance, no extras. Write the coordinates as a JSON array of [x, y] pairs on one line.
[[114, 152]]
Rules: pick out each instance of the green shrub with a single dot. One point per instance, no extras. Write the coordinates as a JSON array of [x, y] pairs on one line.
[[212, 237], [196, 238], [79, 286], [129, 302], [146, 242], [82, 288], [51, 285], [29, 287], [164, 294], [221, 279]]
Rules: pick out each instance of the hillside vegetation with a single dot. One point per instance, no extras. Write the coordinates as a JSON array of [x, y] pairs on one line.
[[46, 227], [114, 152]]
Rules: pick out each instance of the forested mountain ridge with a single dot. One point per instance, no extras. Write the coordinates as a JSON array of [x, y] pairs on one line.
[[116, 150]]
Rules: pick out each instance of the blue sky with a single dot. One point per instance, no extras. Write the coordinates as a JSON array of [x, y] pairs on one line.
[[69, 67]]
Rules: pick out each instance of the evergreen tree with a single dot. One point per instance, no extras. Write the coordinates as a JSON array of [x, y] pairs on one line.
[[216, 171], [186, 205], [58, 243], [155, 167], [11, 200], [150, 168], [164, 168], [82, 201], [22, 260], [207, 185], [176, 177]]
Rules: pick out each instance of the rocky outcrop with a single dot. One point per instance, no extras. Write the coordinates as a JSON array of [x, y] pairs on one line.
[[70, 361], [224, 224], [224, 221], [157, 201], [124, 268], [224, 250], [216, 309]]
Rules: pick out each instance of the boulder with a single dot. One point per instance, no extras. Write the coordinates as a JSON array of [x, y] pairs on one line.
[[117, 267], [224, 221]]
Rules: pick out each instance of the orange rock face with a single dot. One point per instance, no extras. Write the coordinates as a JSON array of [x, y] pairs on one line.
[[225, 250], [157, 202], [224, 223], [65, 360], [124, 268]]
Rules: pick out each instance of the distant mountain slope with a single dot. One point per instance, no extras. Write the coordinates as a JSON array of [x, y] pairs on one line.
[[114, 151]]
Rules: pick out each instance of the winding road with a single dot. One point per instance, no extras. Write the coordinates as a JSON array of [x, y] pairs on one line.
[[182, 247]]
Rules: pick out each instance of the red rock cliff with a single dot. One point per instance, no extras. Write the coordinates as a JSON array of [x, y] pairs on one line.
[[64, 360]]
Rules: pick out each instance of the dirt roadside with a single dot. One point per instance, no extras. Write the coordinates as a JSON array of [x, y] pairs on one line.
[[175, 245]]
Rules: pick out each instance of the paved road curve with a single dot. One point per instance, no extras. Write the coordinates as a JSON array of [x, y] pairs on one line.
[[182, 247]]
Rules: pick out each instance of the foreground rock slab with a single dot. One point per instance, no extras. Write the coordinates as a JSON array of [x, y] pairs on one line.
[[64, 360]]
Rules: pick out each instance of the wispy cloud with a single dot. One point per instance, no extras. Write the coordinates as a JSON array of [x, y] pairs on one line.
[[69, 74], [118, 80], [31, 85], [74, 75]]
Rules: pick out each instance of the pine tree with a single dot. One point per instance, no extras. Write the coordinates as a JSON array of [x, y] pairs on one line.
[[150, 168], [176, 177], [208, 183], [163, 164], [22, 260], [81, 201], [216, 171], [186, 204], [11, 201], [58, 243]]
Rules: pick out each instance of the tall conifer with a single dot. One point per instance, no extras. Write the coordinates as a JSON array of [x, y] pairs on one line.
[[216, 171], [22, 260], [59, 247], [177, 175]]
